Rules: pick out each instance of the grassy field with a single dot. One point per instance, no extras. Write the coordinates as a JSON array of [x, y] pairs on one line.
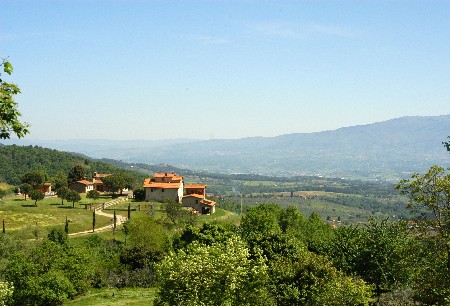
[[116, 297], [19, 213]]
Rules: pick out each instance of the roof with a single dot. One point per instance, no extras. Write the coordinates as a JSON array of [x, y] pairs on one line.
[[208, 202], [195, 186], [194, 195], [97, 181], [149, 184], [84, 182], [203, 200], [158, 175]]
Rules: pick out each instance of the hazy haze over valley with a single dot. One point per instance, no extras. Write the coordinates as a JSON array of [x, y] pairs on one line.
[[385, 150]]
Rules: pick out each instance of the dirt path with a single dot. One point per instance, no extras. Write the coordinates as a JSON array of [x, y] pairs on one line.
[[99, 211]]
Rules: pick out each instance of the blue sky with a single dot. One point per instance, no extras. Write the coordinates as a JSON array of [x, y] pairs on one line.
[[129, 69]]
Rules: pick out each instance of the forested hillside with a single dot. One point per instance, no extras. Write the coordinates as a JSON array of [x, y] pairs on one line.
[[15, 161]]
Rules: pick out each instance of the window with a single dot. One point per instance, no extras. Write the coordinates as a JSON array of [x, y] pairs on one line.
[[151, 189], [162, 190], [196, 201]]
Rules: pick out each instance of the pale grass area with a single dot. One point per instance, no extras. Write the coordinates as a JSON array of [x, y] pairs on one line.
[[116, 297], [20, 214]]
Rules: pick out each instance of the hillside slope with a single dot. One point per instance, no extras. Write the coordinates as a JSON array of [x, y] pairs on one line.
[[384, 150], [389, 149], [15, 161]]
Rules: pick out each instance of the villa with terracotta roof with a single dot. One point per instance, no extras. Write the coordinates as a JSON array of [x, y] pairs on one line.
[[164, 186], [199, 203], [82, 186], [97, 179], [169, 186]]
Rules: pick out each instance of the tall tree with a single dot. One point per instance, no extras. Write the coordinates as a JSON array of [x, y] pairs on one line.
[[78, 172], [220, 274], [9, 113], [60, 180], [62, 193], [35, 178], [73, 196], [430, 194], [25, 189], [36, 195], [118, 182], [447, 144]]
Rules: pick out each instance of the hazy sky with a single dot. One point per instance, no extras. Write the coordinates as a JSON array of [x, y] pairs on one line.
[[129, 69]]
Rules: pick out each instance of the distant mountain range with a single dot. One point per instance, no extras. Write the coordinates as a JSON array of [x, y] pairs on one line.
[[385, 150]]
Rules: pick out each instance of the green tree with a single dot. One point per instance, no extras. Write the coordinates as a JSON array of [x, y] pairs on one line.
[[220, 274], [6, 292], [447, 144], [430, 194], [60, 180], [62, 193], [119, 181], [35, 179], [380, 252], [2, 194], [139, 194], [58, 235], [36, 195], [78, 172], [147, 242], [93, 194], [261, 220], [310, 279], [9, 113], [25, 189], [174, 211], [93, 221], [48, 273], [73, 196]]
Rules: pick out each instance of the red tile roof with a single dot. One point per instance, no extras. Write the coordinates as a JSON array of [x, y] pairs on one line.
[[195, 186], [160, 185], [84, 182], [208, 202], [194, 195]]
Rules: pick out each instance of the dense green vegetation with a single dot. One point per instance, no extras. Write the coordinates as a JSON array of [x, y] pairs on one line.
[[16, 161], [276, 256]]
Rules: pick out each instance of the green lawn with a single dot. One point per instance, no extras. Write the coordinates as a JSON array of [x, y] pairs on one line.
[[19, 214], [116, 297]]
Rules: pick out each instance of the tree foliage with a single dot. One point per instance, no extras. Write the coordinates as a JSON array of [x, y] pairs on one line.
[[380, 252], [220, 274], [429, 195], [36, 196], [25, 189], [35, 178], [62, 193], [48, 274], [73, 196], [93, 194], [9, 113], [76, 173], [119, 181]]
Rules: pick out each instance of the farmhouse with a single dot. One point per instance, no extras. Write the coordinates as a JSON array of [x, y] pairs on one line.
[[82, 186], [97, 179], [164, 186], [45, 188], [169, 186], [199, 203]]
